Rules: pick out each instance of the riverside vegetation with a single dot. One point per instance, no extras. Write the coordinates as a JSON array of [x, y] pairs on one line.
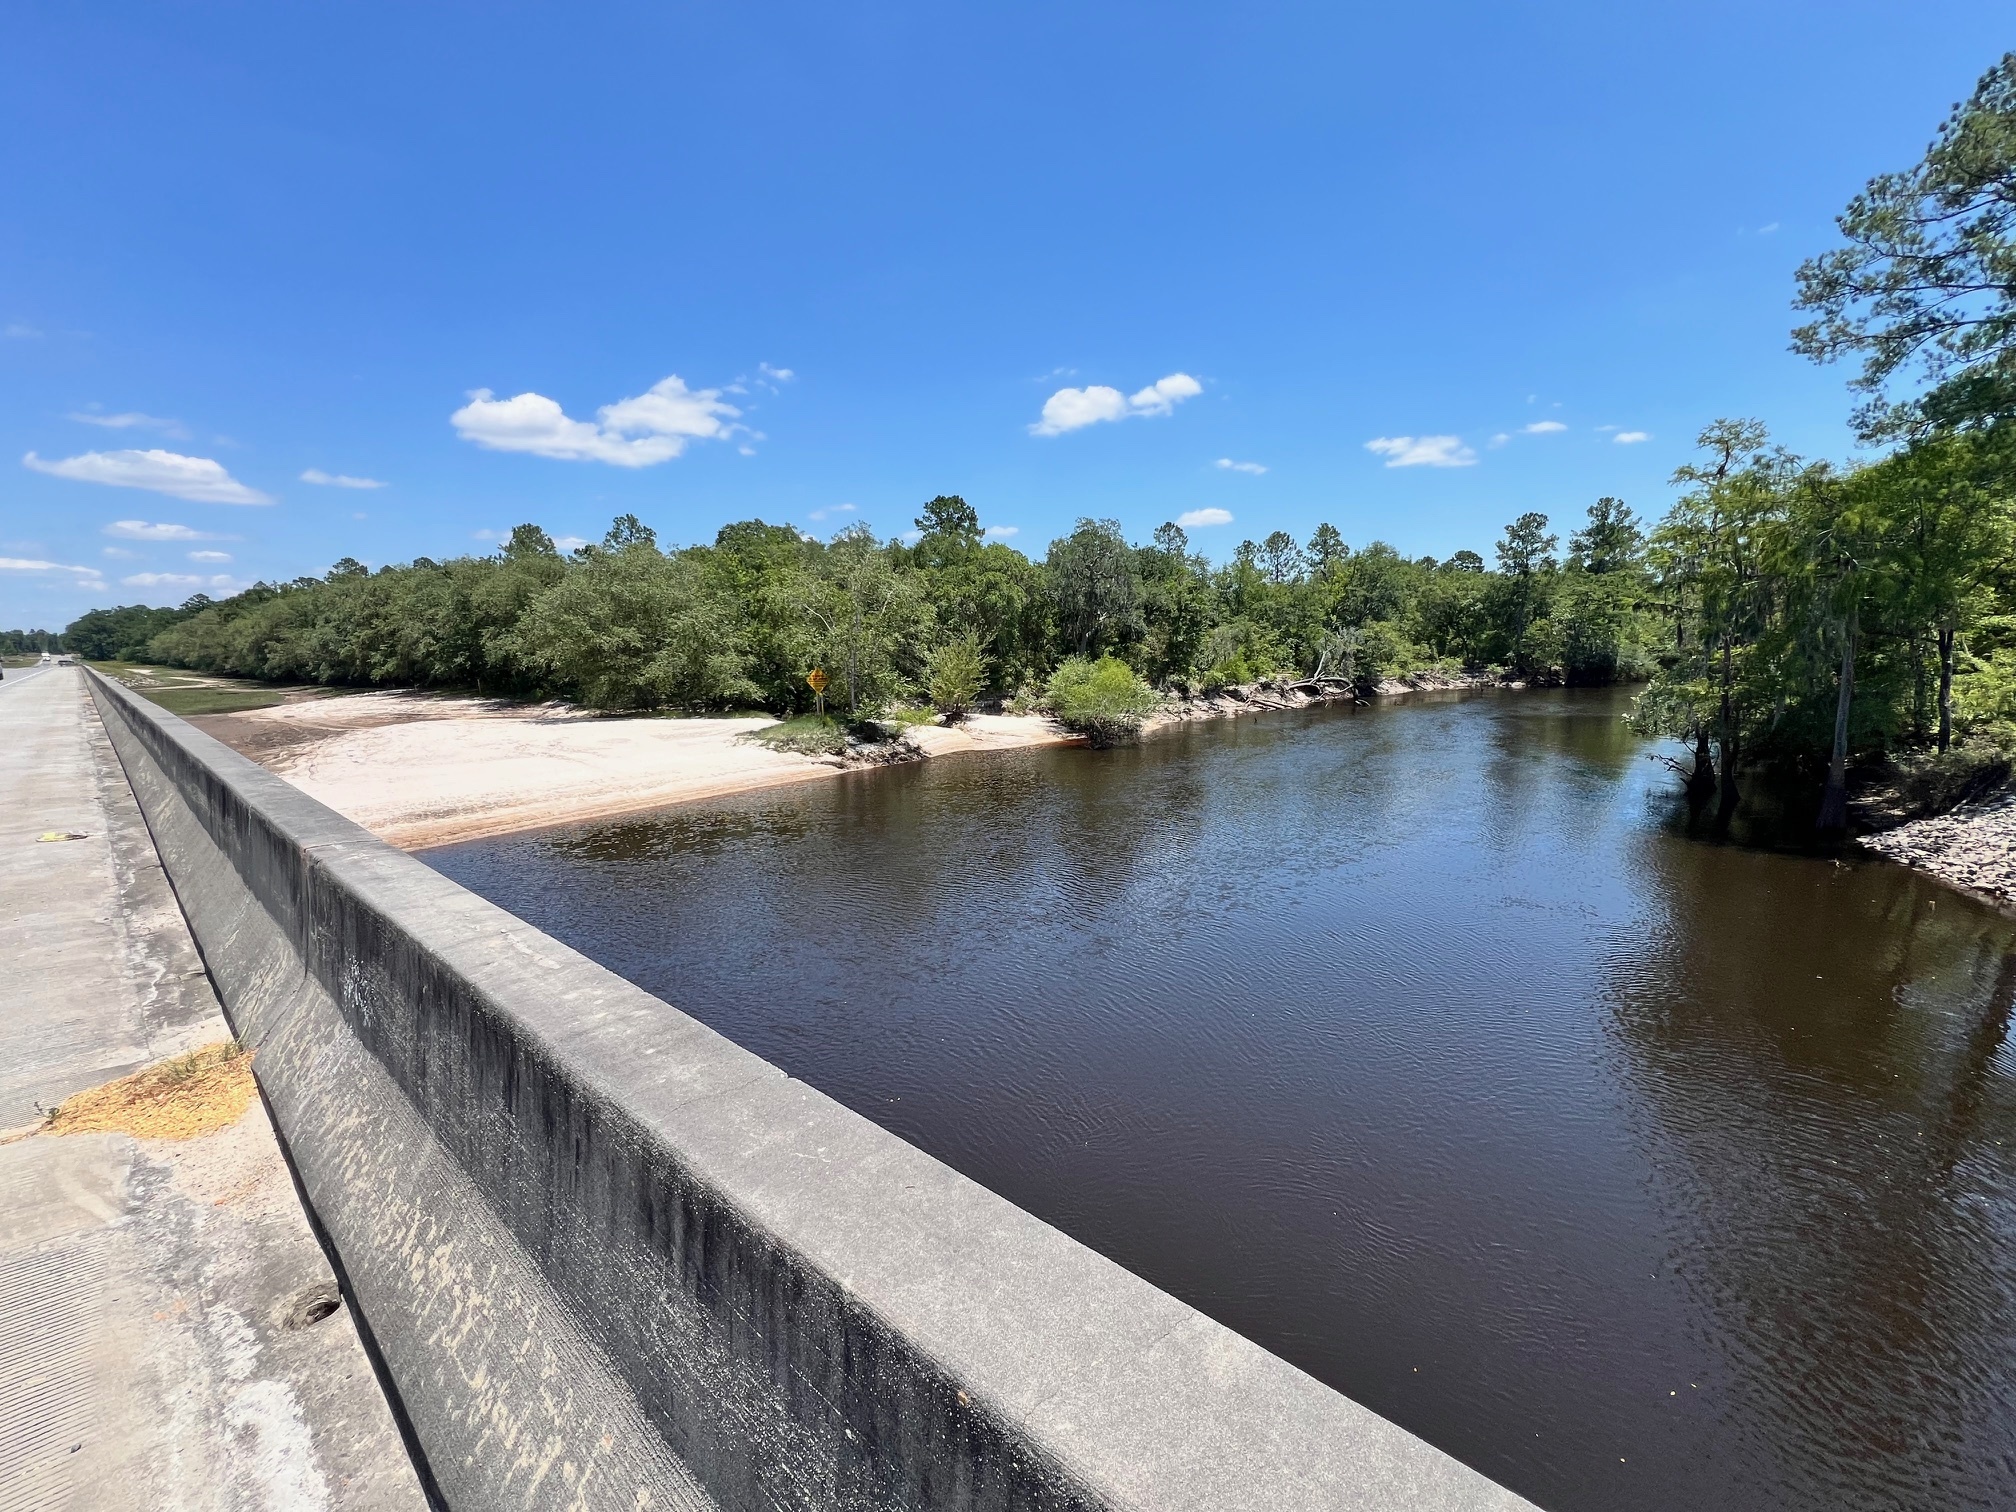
[[1787, 612], [950, 618]]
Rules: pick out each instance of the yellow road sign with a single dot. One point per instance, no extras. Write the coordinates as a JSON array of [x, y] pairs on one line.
[[816, 680]]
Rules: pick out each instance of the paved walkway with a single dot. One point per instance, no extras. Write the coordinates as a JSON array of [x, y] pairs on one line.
[[154, 1296]]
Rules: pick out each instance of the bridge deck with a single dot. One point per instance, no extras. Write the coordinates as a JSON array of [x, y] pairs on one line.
[[153, 1351]]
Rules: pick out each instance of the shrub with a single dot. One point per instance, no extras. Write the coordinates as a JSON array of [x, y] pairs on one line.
[[1103, 700], [955, 674]]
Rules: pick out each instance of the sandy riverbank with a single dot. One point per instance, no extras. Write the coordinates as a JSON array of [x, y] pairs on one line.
[[419, 770]]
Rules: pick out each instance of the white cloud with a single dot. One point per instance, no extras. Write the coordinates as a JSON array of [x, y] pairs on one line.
[[1631, 438], [653, 427], [140, 530], [1002, 532], [30, 564], [1542, 428], [1423, 451], [338, 480], [1164, 394], [775, 374], [570, 543], [178, 580], [120, 553], [1072, 409], [1499, 440], [129, 420], [1229, 465], [831, 509], [16, 330], [197, 479], [209, 556], [1767, 230], [1194, 518]]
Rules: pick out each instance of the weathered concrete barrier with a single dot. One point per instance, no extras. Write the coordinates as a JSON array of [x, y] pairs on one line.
[[613, 1260]]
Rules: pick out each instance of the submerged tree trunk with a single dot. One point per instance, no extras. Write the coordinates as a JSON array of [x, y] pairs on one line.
[[1701, 781], [1945, 686], [1731, 741], [1834, 802]]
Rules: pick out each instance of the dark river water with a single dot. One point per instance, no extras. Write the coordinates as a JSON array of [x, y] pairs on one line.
[[1418, 1044]]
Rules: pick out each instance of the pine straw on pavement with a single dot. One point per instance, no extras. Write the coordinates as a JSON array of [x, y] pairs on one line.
[[190, 1095]]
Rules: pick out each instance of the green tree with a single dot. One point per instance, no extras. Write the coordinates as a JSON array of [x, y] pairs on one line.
[[1927, 279], [1526, 560], [1612, 541], [1095, 586], [1710, 554], [1327, 551], [948, 531], [1281, 559]]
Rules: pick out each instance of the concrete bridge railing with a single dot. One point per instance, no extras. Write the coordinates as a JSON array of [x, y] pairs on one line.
[[612, 1260]]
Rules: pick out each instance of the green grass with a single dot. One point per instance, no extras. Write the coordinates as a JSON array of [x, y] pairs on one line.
[[904, 718], [188, 693], [808, 734], [187, 701]]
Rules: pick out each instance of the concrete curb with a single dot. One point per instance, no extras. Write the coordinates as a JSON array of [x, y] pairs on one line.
[[614, 1260]]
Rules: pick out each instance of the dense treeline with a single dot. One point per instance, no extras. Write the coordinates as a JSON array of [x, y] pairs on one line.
[[29, 642], [623, 624], [1819, 613], [124, 634]]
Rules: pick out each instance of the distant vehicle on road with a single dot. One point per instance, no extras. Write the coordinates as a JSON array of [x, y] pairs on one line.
[[64, 661]]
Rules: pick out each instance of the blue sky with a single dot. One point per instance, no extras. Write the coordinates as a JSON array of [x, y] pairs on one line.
[[818, 263]]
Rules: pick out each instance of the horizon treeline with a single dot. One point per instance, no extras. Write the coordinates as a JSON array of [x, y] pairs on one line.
[[623, 624], [34, 642]]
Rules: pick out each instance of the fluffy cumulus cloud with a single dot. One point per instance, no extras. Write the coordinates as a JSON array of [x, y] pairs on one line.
[[1542, 428], [1192, 519], [338, 480], [654, 427], [1631, 438], [1072, 409], [141, 530], [197, 479], [1228, 465], [1422, 451], [1002, 532]]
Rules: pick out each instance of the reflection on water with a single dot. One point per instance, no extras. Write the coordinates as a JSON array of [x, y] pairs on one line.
[[1422, 1045]]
